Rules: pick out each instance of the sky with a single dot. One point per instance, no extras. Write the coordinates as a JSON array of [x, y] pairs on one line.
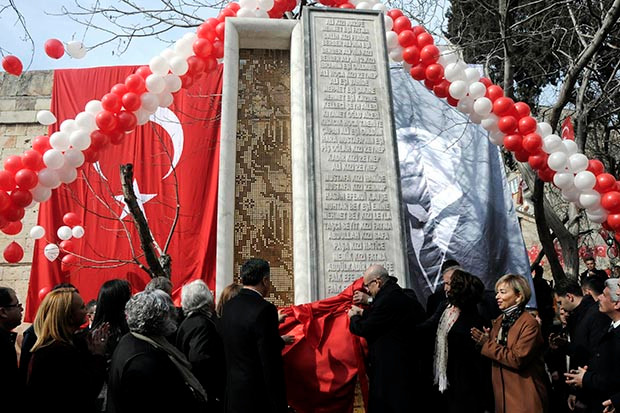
[[43, 26]]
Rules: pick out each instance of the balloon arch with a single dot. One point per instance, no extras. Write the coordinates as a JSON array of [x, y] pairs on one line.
[[54, 160]]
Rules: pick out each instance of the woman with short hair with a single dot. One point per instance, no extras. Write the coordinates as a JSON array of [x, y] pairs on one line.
[[515, 346]]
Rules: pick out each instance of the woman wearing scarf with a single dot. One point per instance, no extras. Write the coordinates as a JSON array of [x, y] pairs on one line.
[[515, 346], [461, 373]]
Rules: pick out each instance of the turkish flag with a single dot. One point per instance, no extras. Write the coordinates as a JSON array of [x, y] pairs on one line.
[[176, 162], [567, 129]]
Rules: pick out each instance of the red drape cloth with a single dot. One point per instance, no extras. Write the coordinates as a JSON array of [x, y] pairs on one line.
[[323, 363], [195, 129]]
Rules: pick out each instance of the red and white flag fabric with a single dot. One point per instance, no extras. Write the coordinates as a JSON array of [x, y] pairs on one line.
[[567, 129], [176, 160]]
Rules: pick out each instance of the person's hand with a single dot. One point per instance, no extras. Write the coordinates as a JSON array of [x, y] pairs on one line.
[[98, 338], [360, 297], [355, 310], [281, 316], [575, 377], [609, 408], [288, 339], [572, 399], [557, 341], [480, 337]]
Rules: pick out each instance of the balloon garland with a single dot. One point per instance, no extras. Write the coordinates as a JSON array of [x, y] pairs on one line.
[[54, 160]]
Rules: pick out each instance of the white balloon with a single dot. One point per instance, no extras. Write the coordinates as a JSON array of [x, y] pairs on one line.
[[165, 99], [265, 4], [364, 5], [388, 22], [67, 174], [245, 12], [41, 193], [472, 75], [448, 56], [59, 141], [78, 231], [454, 72], [577, 162], [407, 67], [589, 198], [93, 107], [380, 7], [86, 121], [49, 178], [64, 233], [37, 232], [496, 138], [483, 106], [184, 47], [68, 126], [150, 102], [261, 14], [168, 54], [490, 123], [179, 65], [570, 146], [51, 251], [477, 90], [76, 49], [474, 117], [597, 218], [391, 39], [159, 66], [584, 180], [465, 105], [155, 83], [248, 4], [564, 180], [53, 159], [552, 143], [396, 54], [74, 158], [173, 83], [458, 89], [557, 161], [80, 139], [142, 115], [45, 117], [571, 194], [544, 129]]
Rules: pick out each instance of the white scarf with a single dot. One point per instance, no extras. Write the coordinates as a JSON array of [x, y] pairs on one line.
[[448, 318]]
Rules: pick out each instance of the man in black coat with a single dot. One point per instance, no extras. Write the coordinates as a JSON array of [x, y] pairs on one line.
[[11, 385], [388, 327], [591, 270], [600, 379], [249, 328]]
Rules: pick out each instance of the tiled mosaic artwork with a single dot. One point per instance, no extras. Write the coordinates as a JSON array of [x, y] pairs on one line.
[[263, 187]]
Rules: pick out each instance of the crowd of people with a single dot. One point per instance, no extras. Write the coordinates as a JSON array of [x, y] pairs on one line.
[[470, 350]]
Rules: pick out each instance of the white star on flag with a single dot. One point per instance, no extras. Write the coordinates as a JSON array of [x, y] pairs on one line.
[[141, 198]]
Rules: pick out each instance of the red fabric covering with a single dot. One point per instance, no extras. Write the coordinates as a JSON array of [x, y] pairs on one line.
[[192, 247], [322, 365]]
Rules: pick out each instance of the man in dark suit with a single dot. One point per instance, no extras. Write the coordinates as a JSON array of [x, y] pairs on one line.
[[600, 380], [388, 326], [255, 380], [591, 270]]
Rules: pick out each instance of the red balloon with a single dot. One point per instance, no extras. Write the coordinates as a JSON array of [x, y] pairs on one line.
[[13, 228], [127, 121], [67, 245], [494, 92], [71, 219], [346, 6], [54, 48], [425, 39], [14, 213], [411, 55], [41, 144], [116, 137], [441, 89], [406, 38], [119, 89], [538, 161], [532, 143], [219, 30], [68, 261], [106, 121], [513, 143], [7, 181], [233, 6], [98, 140], [614, 221], [143, 72], [203, 48], [617, 187], [226, 13], [12, 65], [211, 64], [429, 84], [611, 201], [13, 163], [196, 65], [418, 30], [218, 49], [527, 125], [605, 183], [187, 81], [135, 83], [451, 101], [26, 179], [21, 198], [401, 23], [523, 109], [203, 29], [546, 174], [596, 167], [5, 201], [91, 155], [131, 101], [434, 72], [418, 72], [13, 253], [507, 124], [522, 156], [486, 81], [502, 106], [212, 22], [394, 14], [43, 292], [32, 160], [111, 102]]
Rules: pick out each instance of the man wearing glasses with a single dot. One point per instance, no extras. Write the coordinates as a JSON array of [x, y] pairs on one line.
[[10, 317], [388, 326]]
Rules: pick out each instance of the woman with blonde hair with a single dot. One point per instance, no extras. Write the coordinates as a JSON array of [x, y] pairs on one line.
[[67, 367], [515, 346]]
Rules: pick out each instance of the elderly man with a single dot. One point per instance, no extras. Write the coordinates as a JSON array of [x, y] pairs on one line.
[[147, 373], [600, 380], [388, 327], [10, 317]]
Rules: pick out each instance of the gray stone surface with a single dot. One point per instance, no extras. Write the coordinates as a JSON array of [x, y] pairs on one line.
[[354, 166]]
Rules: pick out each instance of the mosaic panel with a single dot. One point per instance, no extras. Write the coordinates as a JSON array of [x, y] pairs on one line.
[[263, 186]]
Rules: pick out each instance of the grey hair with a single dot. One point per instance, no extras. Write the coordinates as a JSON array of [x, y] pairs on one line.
[[151, 313], [159, 283], [612, 284], [196, 296], [378, 271]]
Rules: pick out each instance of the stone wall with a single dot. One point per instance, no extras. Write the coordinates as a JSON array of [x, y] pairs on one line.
[[20, 100]]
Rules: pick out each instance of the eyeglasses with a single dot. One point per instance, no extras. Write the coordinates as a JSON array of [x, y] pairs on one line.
[[13, 305], [370, 282]]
